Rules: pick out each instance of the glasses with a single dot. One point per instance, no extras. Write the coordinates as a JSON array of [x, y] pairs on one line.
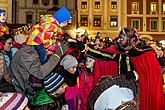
[[9, 43]]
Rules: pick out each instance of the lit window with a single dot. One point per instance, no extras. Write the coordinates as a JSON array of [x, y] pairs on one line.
[[135, 6], [163, 6], [83, 5], [114, 5], [84, 20], [97, 21], [153, 7], [154, 24], [136, 24], [163, 25], [113, 21], [97, 5]]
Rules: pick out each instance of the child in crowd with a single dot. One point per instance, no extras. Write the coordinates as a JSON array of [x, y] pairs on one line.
[[51, 97], [85, 81], [71, 94]]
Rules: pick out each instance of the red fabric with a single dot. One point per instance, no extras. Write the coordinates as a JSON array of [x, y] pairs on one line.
[[104, 68], [150, 82], [86, 85]]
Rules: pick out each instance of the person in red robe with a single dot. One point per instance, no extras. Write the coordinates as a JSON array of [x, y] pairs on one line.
[[144, 62]]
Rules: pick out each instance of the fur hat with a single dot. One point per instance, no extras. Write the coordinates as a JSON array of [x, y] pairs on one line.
[[68, 61], [52, 82], [62, 15], [13, 101]]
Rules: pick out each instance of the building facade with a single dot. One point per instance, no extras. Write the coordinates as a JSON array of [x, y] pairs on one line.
[[109, 16], [29, 11]]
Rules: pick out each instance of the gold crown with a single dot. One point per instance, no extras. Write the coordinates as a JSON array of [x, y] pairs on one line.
[[22, 30]]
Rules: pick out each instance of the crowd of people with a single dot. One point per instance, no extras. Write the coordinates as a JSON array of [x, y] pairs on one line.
[[43, 68]]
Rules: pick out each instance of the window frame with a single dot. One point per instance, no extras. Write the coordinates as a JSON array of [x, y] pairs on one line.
[[163, 25], [153, 11], [97, 18], [132, 7], [113, 16], [153, 20], [132, 23], [35, 2], [86, 5], [113, 6], [85, 16]]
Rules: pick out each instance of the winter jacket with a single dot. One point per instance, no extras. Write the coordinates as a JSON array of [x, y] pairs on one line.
[[25, 63]]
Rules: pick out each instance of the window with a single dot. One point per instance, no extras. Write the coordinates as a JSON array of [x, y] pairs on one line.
[[97, 5], [154, 24], [153, 7], [84, 5], [163, 8], [113, 21], [114, 5], [35, 1], [84, 20], [55, 2], [97, 21], [135, 6], [29, 18], [163, 25], [136, 24]]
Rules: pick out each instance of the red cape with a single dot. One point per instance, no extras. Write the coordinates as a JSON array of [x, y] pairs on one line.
[[105, 68], [150, 81]]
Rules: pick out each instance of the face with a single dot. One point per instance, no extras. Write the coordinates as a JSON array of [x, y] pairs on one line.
[[26, 108], [89, 62], [59, 91], [3, 17], [123, 43], [72, 69], [8, 44], [63, 24]]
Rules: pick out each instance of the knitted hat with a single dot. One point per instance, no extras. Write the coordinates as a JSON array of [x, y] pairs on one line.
[[68, 61], [13, 101], [62, 15], [52, 82]]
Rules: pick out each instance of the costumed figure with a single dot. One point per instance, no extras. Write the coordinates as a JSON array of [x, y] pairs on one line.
[[3, 28], [145, 64], [147, 67]]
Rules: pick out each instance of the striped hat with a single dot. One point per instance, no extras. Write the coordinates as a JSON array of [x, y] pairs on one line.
[[13, 101], [52, 82]]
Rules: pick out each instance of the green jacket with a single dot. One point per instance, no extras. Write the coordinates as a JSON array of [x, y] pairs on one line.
[[42, 98]]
